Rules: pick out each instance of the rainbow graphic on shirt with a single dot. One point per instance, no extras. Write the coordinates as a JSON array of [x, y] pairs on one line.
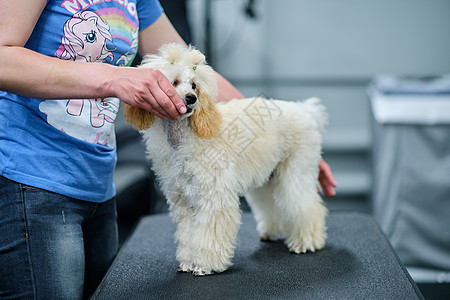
[[120, 25], [123, 31]]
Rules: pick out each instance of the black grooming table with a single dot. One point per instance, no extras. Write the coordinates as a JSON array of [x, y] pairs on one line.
[[357, 263]]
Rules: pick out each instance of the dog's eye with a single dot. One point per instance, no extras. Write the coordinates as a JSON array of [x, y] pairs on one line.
[[175, 82], [194, 86]]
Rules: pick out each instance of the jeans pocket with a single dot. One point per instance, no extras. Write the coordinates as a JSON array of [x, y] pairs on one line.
[[29, 188]]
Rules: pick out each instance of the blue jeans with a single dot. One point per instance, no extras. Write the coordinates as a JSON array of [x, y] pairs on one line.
[[53, 246]]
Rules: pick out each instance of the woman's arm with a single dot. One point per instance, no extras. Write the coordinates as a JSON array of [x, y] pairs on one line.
[[226, 90], [27, 73]]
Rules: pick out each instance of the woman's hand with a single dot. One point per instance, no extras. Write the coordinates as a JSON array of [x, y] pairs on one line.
[[326, 179], [148, 89]]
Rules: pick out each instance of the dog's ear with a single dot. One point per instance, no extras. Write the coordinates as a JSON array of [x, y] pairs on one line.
[[206, 119], [139, 118]]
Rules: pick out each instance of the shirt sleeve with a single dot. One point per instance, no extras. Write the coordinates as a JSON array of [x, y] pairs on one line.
[[148, 12]]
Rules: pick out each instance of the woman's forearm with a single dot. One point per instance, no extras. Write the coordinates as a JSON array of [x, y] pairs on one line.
[[226, 90], [34, 75], [27, 73]]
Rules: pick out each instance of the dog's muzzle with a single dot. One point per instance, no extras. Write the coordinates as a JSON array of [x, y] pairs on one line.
[[191, 102]]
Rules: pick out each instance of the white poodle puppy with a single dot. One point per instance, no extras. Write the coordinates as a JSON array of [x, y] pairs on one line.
[[267, 150]]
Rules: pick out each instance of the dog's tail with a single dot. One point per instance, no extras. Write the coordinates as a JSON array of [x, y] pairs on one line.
[[318, 111]]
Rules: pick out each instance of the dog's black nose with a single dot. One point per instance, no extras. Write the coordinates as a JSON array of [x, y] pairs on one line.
[[190, 99]]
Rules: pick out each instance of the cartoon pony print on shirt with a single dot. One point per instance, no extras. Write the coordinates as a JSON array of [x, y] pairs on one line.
[[85, 39]]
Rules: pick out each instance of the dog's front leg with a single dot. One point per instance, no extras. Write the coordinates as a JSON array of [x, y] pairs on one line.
[[183, 236], [182, 216], [214, 236]]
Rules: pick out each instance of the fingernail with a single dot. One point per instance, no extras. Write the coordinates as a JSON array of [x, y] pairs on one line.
[[183, 109]]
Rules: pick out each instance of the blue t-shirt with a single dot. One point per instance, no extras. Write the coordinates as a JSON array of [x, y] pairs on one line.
[[68, 146]]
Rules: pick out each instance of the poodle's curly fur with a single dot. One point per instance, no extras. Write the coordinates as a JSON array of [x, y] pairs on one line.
[[267, 150]]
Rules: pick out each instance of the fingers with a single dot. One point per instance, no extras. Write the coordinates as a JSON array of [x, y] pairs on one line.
[[149, 89], [166, 86], [166, 100], [326, 179], [161, 105], [152, 105]]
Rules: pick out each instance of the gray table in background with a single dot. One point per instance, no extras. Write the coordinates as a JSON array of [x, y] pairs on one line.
[[356, 263]]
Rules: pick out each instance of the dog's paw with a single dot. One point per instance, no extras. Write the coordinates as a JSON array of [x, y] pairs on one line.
[[186, 268], [199, 271], [303, 248], [307, 242], [196, 271], [298, 249], [268, 238]]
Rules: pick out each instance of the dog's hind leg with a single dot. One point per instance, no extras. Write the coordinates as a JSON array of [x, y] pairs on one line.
[[267, 217], [300, 204]]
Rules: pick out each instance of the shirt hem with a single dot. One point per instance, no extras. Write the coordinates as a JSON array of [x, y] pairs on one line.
[[57, 188]]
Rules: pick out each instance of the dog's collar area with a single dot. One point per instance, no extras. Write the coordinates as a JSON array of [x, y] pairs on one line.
[[175, 131]]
